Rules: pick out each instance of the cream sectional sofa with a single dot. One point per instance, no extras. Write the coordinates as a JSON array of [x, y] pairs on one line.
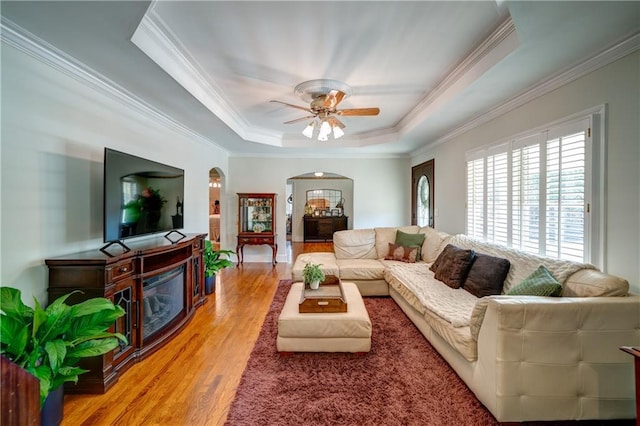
[[526, 358]]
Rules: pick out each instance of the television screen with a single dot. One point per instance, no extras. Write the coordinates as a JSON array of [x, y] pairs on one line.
[[140, 196]]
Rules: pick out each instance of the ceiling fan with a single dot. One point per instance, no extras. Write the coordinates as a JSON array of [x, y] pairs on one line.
[[323, 97]]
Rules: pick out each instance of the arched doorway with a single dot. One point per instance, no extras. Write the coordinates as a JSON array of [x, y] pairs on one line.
[[422, 194], [216, 192], [299, 186]]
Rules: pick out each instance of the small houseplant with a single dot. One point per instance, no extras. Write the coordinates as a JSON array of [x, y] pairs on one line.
[[312, 275], [49, 343], [214, 260]]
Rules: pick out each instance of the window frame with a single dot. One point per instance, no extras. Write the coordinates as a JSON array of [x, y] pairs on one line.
[[595, 196]]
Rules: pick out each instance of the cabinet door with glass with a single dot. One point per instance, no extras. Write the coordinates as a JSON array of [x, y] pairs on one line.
[[257, 213]]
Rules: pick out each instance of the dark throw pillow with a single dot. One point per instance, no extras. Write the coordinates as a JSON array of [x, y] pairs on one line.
[[410, 240], [486, 276], [454, 266], [402, 253], [540, 283]]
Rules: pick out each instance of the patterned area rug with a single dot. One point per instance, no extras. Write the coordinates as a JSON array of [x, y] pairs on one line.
[[402, 381]]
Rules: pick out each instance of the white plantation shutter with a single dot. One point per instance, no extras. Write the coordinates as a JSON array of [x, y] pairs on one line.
[[566, 193], [525, 201], [475, 198], [498, 198], [532, 193]]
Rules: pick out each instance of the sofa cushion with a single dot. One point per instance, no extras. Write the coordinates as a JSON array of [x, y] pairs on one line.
[[453, 265], [539, 283], [355, 244], [327, 263], [386, 235], [594, 283], [433, 243], [402, 253], [410, 240], [522, 264], [487, 275], [361, 269]]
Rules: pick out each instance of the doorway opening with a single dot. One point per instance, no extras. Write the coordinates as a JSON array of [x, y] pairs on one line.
[[215, 207], [304, 202], [422, 191]]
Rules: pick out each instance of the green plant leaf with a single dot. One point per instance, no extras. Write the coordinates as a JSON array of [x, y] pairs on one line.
[[67, 374], [58, 319], [14, 337], [11, 304], [39, 317], [43, 373], [91, 306], [56, 352], [93, 347], [98, 322]]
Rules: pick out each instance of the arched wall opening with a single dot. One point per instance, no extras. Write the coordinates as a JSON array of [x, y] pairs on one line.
[[217, 217], [297, 187]]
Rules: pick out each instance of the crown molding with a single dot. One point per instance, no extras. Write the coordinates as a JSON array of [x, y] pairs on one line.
[[26, 42], [158, 42], [500, 43], [601, 59]]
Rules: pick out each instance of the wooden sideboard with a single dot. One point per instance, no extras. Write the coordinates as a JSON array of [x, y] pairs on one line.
[[159, 283], [322, 228]]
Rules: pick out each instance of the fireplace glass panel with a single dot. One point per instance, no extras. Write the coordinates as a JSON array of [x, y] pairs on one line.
[[163, 300], [123, 324]]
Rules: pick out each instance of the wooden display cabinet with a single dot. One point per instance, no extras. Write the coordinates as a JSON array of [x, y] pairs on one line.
[[256, 222], [154, 270]]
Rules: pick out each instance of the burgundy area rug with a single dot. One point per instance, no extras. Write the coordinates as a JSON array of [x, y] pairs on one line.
[[402, 381]]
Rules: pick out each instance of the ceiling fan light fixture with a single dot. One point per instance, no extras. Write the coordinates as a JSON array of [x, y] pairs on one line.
[[308, 131], [337, 132], [325, 130]]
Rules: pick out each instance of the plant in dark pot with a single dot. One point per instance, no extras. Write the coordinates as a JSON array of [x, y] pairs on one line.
[[49, 343], [214, 260]]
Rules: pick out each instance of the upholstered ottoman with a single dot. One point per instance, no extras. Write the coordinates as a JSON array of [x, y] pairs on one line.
[[324, 332]]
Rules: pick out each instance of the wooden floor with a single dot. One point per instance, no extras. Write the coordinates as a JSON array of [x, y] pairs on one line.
[[192, 380]]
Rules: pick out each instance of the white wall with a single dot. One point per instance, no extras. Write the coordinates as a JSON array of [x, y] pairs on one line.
[[54, 130], [381, 191], [616, 85]]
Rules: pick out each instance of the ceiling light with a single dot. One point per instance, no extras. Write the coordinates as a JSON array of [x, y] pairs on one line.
[[318, 174], [308, 131], [325, 129], [337, 132]]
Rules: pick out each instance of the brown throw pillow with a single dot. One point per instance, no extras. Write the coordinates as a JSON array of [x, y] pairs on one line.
[[454, 266], [486, 276], [402, 253]]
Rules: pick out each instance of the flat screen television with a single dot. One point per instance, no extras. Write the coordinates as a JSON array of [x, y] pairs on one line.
[[141, 196]]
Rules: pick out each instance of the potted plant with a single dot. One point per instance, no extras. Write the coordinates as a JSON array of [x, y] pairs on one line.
[[214, 260], [49, 343], [312, 275]]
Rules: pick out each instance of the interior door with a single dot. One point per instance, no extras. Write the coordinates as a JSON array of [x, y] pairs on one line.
[[422, 194]]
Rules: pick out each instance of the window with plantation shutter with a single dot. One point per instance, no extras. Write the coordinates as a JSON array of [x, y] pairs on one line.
[[533, 193]]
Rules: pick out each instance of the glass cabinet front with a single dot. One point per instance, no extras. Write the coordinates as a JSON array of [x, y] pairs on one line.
[[256, 213]]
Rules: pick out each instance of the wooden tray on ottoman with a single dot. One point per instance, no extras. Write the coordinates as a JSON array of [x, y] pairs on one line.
[[328, 298]]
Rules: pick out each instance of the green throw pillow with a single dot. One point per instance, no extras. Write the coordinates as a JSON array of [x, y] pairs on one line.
[[410, 240], [539, 283]]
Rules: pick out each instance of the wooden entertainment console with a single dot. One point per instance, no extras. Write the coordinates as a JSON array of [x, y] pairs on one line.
[[159, 283]]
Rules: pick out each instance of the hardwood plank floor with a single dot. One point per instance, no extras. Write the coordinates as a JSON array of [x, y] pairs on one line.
[[193, 379]]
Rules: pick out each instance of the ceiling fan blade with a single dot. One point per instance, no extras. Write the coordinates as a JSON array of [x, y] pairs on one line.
[[358, 111], [300, 119], [293, 106], [333, 99], [335, 122]]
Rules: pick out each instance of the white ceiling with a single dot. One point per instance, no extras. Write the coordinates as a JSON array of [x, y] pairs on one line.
[[431, 67]]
